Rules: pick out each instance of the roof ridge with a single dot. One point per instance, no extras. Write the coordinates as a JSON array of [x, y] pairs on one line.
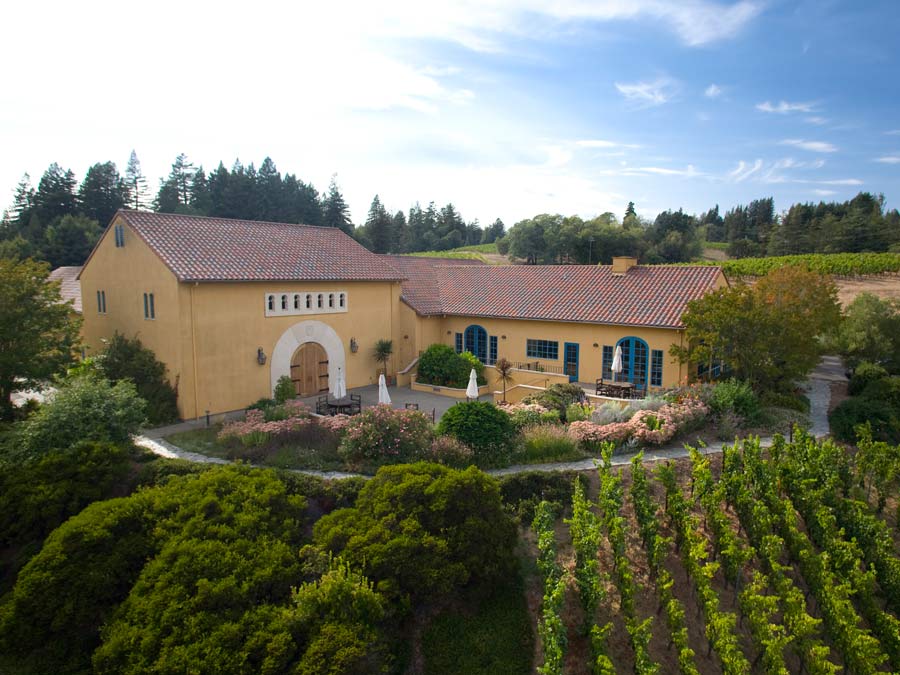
[[233, 220]]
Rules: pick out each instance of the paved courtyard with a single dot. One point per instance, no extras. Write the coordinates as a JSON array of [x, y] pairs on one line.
[[428, 403]]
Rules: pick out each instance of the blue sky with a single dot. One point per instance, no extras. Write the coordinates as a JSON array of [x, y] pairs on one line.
[[506, 108]]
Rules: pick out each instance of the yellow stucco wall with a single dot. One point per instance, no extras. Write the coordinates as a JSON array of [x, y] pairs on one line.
[[517, 332], [125, 274]]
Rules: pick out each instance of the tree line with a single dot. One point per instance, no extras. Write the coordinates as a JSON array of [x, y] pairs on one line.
[[61, 220], [861, 224]]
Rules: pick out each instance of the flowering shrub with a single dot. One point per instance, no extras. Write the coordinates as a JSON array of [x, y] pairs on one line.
[[611, 412], [449, 451], [388, 435], [646, 427], [263, 431], [529, 414]]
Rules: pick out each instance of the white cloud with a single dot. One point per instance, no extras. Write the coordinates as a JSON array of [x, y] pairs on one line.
[[815, 119], [687, 172], [889, 159], [812, 146], [893, 132], [603, 144], [772, 172], [713, 91], [842, 181], [648, 94], [743, 170], [824, 193], [784, 107]]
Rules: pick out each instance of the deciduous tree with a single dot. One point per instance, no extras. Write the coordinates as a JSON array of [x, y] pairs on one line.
[[38, 333]]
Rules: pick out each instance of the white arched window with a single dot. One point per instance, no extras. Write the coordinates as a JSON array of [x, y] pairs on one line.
[[284, 302], [343, 299], [321, 298], [271, 303], [331, 299], [296, 301], [308, 301]]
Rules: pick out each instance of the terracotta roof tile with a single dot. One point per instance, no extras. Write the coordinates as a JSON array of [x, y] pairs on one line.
[[420, 290], [644, 296], [219, 249], [69, 285]]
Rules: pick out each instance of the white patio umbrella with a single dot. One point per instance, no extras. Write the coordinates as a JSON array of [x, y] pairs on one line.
[[340, 386], [383, 396], [472, 389], [617, 362]]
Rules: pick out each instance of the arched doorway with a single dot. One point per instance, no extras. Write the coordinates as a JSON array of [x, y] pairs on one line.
[[302, 333], [309, 369]]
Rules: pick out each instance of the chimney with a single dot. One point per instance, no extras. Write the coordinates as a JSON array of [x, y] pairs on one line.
[[621, 264]]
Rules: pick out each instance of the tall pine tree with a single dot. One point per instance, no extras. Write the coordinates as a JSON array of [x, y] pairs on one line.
[[378, 227], [335, 212], [102, 193], [138, 192]]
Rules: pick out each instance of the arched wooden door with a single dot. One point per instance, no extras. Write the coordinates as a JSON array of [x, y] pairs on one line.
[[309, 369]]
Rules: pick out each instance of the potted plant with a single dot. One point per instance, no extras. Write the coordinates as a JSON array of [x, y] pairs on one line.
[[382, 353]]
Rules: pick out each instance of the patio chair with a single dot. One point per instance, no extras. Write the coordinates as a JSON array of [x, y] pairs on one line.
[[412, 406], [322, 405], [355, 404]]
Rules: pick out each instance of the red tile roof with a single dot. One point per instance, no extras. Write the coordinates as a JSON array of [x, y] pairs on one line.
[[644, 296], [69, 286], [420, 290], [197, 248]]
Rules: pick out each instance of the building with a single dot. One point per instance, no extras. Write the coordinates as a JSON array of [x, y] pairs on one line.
[[230, 306]]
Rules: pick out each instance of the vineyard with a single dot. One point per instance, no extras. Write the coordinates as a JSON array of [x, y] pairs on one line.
[[838, 264], [779, 560]]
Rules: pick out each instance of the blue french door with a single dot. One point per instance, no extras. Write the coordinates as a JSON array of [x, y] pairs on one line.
[[634, 361], [570, 361], [475, 340]]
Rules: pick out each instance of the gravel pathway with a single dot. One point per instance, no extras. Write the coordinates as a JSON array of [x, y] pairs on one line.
[[818, 388]]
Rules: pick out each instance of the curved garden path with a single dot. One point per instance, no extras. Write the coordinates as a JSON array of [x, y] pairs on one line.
[[818, 388]]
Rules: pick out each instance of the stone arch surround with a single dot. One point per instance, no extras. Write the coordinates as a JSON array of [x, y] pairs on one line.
[[299, 334]]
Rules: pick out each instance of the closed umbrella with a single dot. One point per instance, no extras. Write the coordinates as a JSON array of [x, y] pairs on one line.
[[617, 362], [383, 396], [340, 387], [472, 389]]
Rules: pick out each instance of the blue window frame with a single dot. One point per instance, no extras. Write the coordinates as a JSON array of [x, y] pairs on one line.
[[542, 349], [656, 367], [475, 341], [119, 231], [608, 353], [492, 352], [459, 343], [570, 360], [634, 361], [101, 302]]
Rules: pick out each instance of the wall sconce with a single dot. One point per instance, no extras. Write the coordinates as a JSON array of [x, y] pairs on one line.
[[260, 356], [596, 345], [406, 337], [354, 345], [502, 337], [449, 332]]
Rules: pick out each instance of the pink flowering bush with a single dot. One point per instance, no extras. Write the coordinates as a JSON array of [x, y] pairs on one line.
[[264, 432], [387, 435], [646, 427], [529, 414], [448, 451]]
